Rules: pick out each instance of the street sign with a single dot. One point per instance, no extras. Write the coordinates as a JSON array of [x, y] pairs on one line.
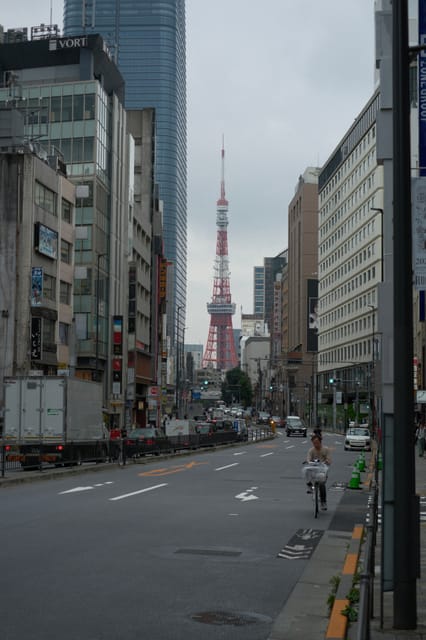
[[421, 396]]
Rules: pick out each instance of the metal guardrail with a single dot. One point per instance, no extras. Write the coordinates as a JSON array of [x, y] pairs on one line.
[[115, 451], [366, 588]]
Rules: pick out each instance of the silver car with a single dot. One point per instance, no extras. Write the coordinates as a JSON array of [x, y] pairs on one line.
[[358, 439]]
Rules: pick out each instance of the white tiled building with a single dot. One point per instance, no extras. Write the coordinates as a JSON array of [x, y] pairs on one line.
[[350, 245]]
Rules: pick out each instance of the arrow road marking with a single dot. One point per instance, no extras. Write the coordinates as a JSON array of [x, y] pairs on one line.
[[244, 497], [247, 495]]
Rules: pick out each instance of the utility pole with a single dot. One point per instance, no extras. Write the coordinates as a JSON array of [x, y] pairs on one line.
[[406, 516]]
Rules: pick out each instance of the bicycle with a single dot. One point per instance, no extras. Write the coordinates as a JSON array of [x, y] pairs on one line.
[[315, 472]]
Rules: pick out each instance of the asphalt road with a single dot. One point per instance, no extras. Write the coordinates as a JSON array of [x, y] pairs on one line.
[[208, 545]]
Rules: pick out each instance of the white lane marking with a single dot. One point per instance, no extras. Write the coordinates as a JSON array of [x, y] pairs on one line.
[[75, 490], [246, 495], [240, 453], [135, 493], [228, 466], [271, 453], [291, 446], [233, 514]]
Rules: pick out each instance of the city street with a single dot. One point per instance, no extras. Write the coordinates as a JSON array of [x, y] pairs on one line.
[[207, 545]]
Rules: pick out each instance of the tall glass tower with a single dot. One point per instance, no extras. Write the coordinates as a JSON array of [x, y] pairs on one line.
[[147, 40]]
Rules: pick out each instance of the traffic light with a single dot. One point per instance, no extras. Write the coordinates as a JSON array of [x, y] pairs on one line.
[[331, 380], [206, 382]]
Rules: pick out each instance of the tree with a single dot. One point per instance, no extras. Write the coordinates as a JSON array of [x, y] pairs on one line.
[[237, 387]]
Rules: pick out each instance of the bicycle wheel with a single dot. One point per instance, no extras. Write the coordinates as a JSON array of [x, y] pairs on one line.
[[315, 499]]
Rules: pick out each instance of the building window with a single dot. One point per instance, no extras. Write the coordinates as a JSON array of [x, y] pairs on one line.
[[49, 287], [66, 211], [81, 326], [65, 292], [66, 251], [48, 331], [64, 333], [45, 198]]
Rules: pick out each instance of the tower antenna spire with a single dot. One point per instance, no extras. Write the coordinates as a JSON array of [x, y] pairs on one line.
[[220, 351]]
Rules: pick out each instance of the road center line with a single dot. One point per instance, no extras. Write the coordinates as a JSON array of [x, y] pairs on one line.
[[228, 466], [135, 493], [267, 454]]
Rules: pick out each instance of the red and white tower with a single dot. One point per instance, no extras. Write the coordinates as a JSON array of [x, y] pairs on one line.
[[220, 350]]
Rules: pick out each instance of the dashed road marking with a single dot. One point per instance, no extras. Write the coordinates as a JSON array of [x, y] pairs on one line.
[[228, 466], [135, 493]]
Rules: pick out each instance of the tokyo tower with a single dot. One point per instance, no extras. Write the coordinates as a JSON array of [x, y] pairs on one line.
[[220, 350]]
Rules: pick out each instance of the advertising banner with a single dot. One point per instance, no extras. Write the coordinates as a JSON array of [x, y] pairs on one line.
[[418, 216], [36, 286], [312, 319]]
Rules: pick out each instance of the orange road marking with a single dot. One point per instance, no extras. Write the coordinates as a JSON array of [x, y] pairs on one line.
[[166, 472], [266, 446]]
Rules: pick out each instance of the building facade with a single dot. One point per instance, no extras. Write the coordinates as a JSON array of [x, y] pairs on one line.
[[36, 262], [148, 41], [71, 96], [300, 345], [350, 262], [259, 291]]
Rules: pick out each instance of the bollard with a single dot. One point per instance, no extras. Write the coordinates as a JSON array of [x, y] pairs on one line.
[[361, 462], [355, 480]]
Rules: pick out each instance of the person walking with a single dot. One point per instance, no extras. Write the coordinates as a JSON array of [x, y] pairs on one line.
[[321, 454], [421, 439]]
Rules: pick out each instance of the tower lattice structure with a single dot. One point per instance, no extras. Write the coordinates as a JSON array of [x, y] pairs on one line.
[[220, 350]]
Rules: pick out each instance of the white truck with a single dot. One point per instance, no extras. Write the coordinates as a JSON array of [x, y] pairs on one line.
[[53, 419], [180, 428]]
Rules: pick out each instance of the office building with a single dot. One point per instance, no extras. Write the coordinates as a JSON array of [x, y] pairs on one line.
[[148, 41], [36, 257], [71, 96], [350, 187]]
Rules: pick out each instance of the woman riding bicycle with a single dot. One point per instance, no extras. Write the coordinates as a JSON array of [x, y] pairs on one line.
[[320, 454]]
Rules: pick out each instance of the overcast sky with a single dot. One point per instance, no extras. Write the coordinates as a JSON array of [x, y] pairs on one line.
[[282, 80]]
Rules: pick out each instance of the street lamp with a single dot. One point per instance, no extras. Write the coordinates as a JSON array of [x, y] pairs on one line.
[[98, 282]]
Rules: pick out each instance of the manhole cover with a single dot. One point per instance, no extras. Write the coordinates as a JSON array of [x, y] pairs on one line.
[[235, 619]]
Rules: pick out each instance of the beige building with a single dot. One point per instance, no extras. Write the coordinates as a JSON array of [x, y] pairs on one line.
[[299, 344], [36, 263]]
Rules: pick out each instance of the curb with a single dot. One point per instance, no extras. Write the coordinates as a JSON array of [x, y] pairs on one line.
[[338, 623]]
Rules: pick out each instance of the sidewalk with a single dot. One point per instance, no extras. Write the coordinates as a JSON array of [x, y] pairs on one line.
[[306, 615]]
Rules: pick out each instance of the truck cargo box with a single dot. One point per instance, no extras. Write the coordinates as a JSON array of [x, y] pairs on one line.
[[52, 409]]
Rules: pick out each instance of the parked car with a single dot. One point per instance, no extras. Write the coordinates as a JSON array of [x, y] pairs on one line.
[[358, 439], [295, 426], [145, 440]]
